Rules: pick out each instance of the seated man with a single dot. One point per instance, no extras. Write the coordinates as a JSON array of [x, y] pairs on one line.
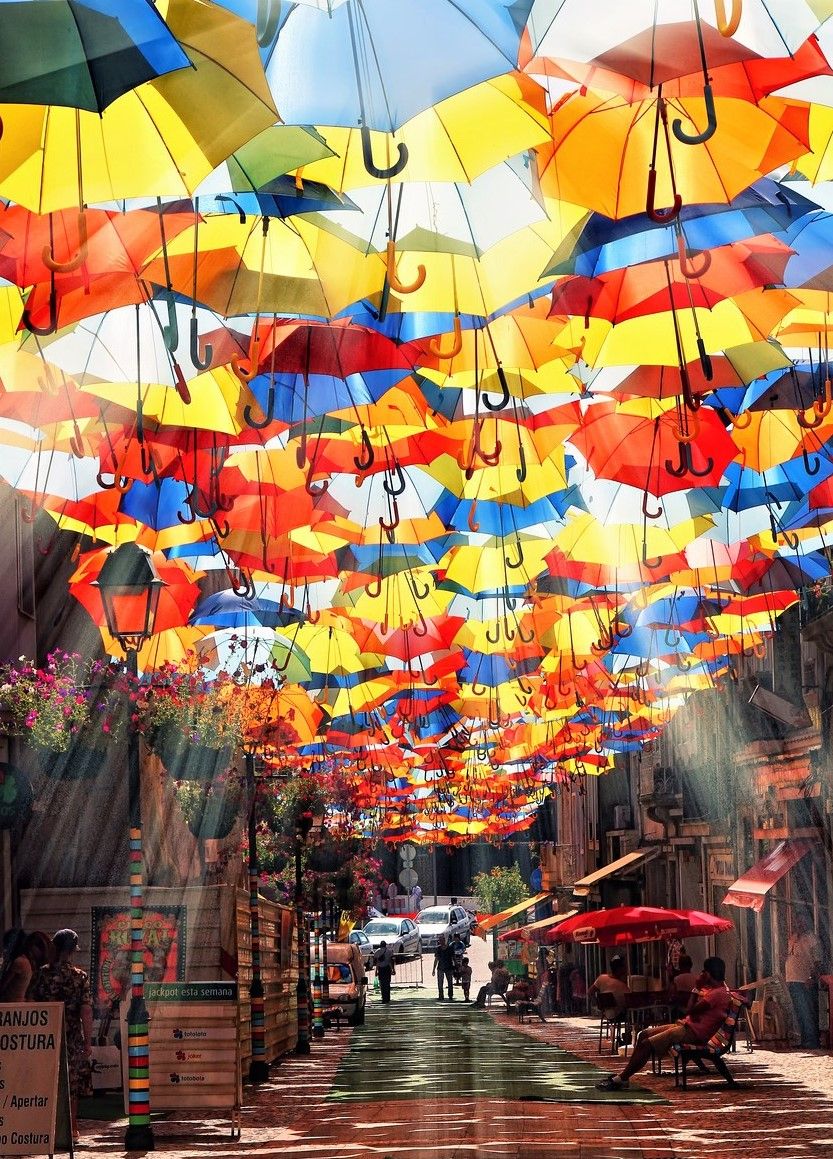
[[682, 987], [522, 995], [499, 984], [705, 1015], [615, 982]]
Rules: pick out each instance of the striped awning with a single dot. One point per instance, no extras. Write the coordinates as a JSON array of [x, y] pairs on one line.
[[750, 890], [491, 920]]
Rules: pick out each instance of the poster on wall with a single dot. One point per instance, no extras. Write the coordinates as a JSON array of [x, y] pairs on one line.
[[164, 927]]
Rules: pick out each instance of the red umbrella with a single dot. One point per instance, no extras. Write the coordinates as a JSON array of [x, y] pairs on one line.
[[637, 923]]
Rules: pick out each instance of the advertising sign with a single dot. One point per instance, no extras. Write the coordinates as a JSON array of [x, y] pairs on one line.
[[32, 1059], [164, 939], [194, 1046]]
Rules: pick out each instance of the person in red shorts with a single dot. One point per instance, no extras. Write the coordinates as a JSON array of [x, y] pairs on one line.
[[706, 1014]]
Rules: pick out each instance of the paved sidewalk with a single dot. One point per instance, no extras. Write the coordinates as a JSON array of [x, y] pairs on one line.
[[769, 1116]]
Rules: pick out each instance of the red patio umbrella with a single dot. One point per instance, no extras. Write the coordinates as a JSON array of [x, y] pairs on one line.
[[623, 925]]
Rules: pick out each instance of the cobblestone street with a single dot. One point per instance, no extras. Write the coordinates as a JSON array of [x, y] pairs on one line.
[[299, 1113]]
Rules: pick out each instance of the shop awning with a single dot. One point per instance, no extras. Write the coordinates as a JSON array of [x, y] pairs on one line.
[[528, 933], [750, 890], [491, 920], [622, 865]]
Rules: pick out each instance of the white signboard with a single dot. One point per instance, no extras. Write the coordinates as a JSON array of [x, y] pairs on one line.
[[30, 1066]]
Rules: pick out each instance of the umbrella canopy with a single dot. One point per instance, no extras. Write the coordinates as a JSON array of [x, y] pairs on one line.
[[638, 923]]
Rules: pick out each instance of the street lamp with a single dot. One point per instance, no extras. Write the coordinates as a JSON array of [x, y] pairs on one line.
[[130, 588], [259, 1067]]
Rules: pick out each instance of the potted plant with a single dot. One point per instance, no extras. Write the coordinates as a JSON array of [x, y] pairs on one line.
[[72, 712], [193, 724]]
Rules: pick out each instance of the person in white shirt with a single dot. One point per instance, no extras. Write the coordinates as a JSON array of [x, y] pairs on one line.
[[416, 896], [801, 972]]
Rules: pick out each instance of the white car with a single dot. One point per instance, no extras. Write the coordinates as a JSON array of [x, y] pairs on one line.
[[444, 920], [360, 938], [401, 933]]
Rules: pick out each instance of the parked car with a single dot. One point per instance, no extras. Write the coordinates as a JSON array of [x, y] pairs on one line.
[[401, 933], [359, 938], [442, 920], [346, 980]]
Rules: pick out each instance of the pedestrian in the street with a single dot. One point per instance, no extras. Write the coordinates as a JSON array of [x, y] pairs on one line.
[[444, 968], [385, 969], [465, 978], [801, 972], [63, 982], [392, 898], [416, 897], [704, 1017]]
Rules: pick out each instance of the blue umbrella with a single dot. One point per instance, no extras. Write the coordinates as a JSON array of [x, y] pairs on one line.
[[299, 398], [82, 54], [604, 244], [384, 61]]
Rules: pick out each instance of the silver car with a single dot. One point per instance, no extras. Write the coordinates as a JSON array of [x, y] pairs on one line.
[[443, 920], [401, 933], [360, 938]]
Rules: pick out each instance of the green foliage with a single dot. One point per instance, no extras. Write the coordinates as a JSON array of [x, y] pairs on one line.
[[499, 889]]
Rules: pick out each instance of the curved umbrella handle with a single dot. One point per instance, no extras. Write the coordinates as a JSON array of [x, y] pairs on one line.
[[809, 424], [651, 564], [660, 216], [709, 467], [76, 443], [368, 456], [504, 396], [728, 27], [473, 525], [78, 258], [170, 331], [200, 363], [810, 470], [740, 421], [515, 564], [394, 282], [247, 373], [268, 414], [313, 488], [526, 639], [520, 470], [823, 406], [374, 588], [649, 514], [493, 639], [688, 270], [121, 483], [711, 123], [683, 465], [435, 344], [52, 324], [369, 164], [391, 488], [420, 595]]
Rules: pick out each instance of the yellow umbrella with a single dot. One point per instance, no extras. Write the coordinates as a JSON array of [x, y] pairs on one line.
[[447, 142], [496, 564], [586, 539], [749, 317], [163, 137], [218, 400], [601, 150], [294, 268]]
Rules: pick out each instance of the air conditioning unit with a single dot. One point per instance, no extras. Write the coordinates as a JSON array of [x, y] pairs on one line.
[[621, 816]]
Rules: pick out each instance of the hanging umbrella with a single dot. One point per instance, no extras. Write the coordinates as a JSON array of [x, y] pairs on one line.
[[444, 143], [386, 62], [82, 55], [164, 136], [653, 42]]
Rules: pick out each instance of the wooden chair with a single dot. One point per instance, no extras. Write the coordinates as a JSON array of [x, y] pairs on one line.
[[612, 1021], [720, 1042]]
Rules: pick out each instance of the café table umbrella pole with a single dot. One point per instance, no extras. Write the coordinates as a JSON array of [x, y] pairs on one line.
[[259, 1068]]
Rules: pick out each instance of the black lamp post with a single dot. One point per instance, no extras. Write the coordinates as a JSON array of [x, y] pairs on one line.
[[303, 825], [130, 588], [259, 1067]]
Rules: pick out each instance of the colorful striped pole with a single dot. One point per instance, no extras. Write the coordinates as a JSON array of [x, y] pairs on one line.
[[259, 1067], [317, 982], [139, 1134], [302, 1045]]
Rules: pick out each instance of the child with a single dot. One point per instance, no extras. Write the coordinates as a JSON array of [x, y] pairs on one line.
[[465, 978]]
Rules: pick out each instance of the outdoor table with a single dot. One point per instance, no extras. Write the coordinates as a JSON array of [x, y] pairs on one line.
[[647, 1008]]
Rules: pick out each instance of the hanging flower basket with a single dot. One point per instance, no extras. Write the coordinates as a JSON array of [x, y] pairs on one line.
[[187, 761], [15, 796], [210, 812], [89, 753]]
